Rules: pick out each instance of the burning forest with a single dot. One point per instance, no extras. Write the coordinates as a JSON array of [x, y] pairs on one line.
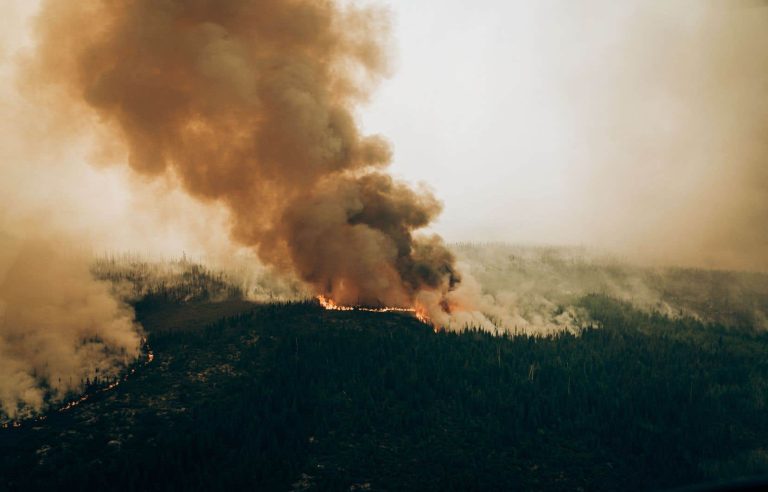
[[382, 245], [259, 119]]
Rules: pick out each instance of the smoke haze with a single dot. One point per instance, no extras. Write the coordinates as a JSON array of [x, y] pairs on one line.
[[58, 326], [672, 113], [637, 126]]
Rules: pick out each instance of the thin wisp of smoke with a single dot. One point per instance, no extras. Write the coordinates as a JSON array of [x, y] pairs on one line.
[[251, 105]]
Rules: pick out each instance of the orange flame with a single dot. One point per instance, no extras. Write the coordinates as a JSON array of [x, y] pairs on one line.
[[331, 305], [73, 403]]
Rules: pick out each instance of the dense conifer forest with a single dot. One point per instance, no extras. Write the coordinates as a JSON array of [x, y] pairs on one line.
[[293, 397]]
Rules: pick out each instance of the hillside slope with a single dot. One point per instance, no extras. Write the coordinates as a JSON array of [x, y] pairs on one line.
[[290, 396]]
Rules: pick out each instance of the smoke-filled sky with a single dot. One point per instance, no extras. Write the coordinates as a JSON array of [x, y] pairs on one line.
[[637, 126]]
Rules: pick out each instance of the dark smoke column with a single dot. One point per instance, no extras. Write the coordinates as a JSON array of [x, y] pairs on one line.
[[250, 104]]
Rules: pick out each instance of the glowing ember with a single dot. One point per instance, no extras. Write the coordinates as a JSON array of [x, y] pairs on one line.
[[330, 305], [421, 315]]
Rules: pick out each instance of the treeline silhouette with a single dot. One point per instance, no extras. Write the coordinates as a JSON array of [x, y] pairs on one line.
[[290, 396]]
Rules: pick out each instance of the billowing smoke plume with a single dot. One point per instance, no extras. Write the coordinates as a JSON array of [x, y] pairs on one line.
[[249, 103], [58, 326]]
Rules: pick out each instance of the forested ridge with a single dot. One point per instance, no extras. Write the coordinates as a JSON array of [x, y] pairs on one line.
[[289, 396]]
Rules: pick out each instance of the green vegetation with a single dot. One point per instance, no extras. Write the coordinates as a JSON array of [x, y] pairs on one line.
[[284, 396]]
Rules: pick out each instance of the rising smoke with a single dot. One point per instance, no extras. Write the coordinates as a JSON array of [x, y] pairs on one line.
[[250, 104], [58, 326]]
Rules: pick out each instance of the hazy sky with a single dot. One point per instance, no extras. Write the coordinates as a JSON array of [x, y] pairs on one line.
[[636, 125], [473, 110]]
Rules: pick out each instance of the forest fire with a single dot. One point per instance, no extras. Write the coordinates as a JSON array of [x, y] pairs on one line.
[[331, 305], [150, 356]]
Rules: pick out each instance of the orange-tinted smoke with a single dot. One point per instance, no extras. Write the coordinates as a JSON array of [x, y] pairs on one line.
[[250, 104]]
